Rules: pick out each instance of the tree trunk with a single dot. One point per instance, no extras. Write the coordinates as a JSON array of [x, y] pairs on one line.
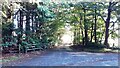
[[27, 24], [95, 27], [92, 33], [32, 23], [86, 28], [20, 26], [27, 20], [79, 34], [106, 34], [81, 28], [107, 23], [74, 42]]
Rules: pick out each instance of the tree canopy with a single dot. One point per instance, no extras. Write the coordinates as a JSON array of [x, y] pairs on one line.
[[91, 22]]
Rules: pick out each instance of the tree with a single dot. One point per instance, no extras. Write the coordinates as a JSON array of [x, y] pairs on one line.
[[107, 21]]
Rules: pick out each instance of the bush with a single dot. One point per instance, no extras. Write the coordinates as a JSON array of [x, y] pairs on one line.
[[95, 45], [7, 29]]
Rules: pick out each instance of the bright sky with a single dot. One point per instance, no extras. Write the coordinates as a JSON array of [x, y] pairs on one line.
[[68, 35]]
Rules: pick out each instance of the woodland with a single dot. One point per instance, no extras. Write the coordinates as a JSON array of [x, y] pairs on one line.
[[39, 26]]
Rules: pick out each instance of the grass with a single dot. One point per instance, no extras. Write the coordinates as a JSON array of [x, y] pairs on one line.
[[7, 58], [12, 58], [92, 49], [104, 50]]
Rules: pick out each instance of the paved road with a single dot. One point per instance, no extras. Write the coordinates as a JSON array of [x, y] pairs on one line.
[[67, 58]]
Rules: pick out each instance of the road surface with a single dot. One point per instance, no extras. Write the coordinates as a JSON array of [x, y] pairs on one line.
[[70, 58]]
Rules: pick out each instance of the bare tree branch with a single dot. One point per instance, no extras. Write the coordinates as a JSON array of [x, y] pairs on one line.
[[113, 23], [113, 4], [102, 17]]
